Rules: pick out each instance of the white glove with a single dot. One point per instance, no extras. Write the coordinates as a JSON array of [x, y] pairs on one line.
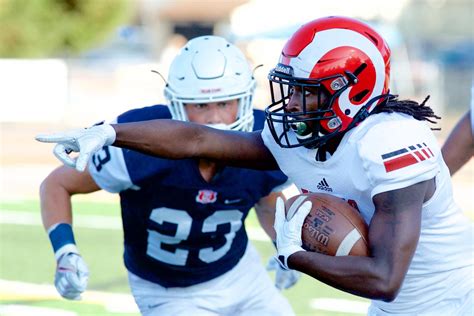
[[85, 141], [284, 279], [288, 230], [71, 276]]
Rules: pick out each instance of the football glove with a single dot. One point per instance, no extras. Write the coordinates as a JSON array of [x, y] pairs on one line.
[[85, 141], [71, 276], [284, 279], [288, 230]]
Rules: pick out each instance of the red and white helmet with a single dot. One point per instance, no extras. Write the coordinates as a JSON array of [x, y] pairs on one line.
[[343, 57], [210, 69]]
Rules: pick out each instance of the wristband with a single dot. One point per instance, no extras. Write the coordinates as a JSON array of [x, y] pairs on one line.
[[62, 239]]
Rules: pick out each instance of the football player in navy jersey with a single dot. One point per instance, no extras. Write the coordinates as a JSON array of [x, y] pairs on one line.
[[186, 248]]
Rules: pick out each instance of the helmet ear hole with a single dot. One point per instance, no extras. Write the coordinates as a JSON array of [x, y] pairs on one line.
[[359, 96]]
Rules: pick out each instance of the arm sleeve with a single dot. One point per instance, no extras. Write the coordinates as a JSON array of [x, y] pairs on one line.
[[398, 154], [108, 169]]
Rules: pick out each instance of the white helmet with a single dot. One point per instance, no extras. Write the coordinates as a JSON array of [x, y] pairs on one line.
[[210, 69]]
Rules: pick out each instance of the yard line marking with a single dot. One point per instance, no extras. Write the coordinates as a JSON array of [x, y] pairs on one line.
[[84, 221], [19, 310], [340, 305], [19, 291], [95, 221]]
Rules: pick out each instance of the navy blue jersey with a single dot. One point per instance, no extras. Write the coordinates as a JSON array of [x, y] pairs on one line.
[[179, 229]]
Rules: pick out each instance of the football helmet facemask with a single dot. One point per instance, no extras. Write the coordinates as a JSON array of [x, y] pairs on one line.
[[210, 69], [346, 62]]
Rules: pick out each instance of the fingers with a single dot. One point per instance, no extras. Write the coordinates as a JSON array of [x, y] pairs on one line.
[[298, 219], [284, 279], [279, 213], [71, 276], [76, 282], [272, 264], [62, 153], [82, 160], [53, 138], [87, 149], [66, 289]]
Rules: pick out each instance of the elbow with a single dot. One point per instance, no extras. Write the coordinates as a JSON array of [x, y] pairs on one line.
[[388, 295], [52, 184], [387, 290], [44, 186]]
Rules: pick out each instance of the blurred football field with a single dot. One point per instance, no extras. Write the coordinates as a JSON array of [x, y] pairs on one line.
[[27, 266]]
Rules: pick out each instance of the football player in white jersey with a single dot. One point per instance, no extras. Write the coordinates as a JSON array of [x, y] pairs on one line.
[[333, 121], [459, 147], [186, 249]]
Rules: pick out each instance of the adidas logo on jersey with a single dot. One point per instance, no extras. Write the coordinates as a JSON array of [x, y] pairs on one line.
[[324, 186]]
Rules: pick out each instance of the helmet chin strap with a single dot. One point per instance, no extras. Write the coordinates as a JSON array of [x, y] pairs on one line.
[[223, 127]]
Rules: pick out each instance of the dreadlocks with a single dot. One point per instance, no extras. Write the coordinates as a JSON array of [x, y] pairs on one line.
[[419, 111]]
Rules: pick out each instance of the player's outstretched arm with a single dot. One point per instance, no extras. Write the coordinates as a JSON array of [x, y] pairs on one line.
[[459, 147], [164, 138], [393, 235], [176, 140], [55, 196]]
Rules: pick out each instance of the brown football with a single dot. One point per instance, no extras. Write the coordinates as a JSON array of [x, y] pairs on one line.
[[333, 227]]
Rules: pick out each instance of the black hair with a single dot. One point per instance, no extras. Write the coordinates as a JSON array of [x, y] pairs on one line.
[[419, 111]]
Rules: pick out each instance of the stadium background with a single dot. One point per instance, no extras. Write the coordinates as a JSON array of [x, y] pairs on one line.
[[432, 43]]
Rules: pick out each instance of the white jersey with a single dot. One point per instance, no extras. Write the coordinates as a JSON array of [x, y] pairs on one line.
[[388, 152]]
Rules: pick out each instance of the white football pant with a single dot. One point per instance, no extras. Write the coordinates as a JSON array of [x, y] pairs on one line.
[[245, 290]]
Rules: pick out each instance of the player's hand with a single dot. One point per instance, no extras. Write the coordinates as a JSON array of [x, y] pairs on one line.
[[85, 141], [71, 276], [288, 230], [284, 279]]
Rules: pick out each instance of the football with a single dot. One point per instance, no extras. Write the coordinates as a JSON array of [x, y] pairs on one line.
[[333, 227]]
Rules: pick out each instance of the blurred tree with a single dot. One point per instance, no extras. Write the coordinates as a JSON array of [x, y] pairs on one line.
[[45, 28]]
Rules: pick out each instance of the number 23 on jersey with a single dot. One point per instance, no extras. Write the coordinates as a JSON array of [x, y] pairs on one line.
[[183, 221]]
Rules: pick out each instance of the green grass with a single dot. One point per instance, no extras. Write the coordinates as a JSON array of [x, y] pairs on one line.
[[26, 255]]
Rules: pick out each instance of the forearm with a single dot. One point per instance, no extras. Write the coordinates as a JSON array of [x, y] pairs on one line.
[[56, 191], [265, 210], [55, 204], [459, 147], [360, 276], [266, 222], [178, 140]]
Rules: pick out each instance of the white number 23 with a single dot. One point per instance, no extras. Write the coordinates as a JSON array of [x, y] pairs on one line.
[[183, 221]]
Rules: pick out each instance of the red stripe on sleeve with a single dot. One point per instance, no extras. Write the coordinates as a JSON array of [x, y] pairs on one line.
[[419, 155], [427, 155], [400, 162], [430, 151]]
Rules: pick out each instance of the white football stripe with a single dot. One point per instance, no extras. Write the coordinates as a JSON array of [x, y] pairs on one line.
[[325, 41], [296, 204], [86, 221], [23, 291], [96, 222], [348, 242]]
